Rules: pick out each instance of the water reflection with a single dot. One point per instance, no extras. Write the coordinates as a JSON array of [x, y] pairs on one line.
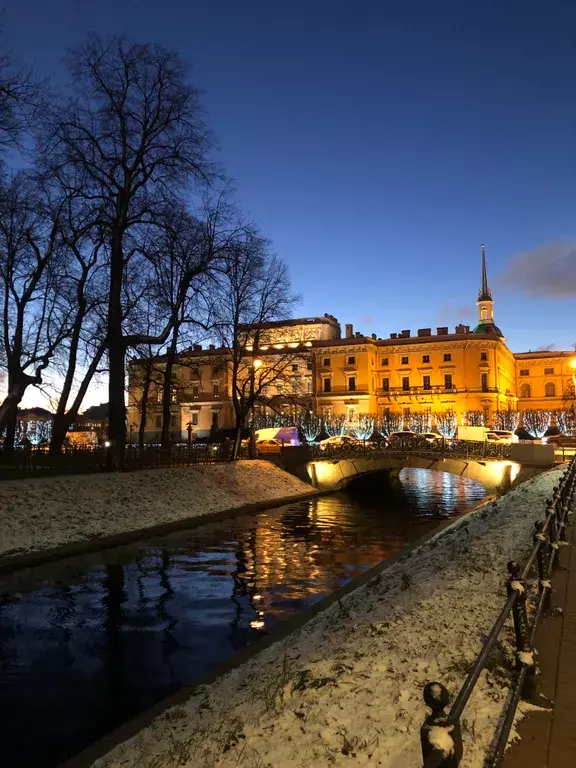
[[89, 643]]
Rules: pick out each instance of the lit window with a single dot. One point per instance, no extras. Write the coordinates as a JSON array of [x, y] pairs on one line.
[[384, 361], [404, 361], [550, 389], [351, 360], [194, 419], [447, 380], [352, 383], [426, 382], [548, 371], [195, 391], [425, 358], [447, 357], [524, 372], [216, 390]]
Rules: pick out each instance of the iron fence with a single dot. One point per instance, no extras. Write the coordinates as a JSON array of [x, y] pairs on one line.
[[549, 535], [33, 462], [465, 449]]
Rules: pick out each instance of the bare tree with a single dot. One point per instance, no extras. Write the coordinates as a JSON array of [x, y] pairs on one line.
[[310, 424], [474, 418], [420, 421], [20, 98], [130, 139], [389, 422], [565, 420], [363, 426], [34, 321], [508, 420], [253, 290], [336, 425], [446, 422]]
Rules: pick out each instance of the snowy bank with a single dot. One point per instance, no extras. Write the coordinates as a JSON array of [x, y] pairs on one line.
[[348, 685], [42, 513]]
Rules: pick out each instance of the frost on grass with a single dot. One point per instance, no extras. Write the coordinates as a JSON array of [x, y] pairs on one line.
[[45, 512], [348, 685]]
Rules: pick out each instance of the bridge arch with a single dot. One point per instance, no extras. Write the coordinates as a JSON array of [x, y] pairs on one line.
[[336, 473]]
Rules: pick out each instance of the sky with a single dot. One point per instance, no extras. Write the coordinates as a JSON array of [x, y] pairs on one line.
[[378, 144]]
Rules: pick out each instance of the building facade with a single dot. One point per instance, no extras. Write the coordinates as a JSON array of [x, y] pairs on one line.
[[465, 371]]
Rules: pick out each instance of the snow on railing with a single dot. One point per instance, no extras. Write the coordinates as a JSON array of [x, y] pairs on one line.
[[440, 735]]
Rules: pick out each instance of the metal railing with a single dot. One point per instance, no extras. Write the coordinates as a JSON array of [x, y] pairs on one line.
[[34, 462], [445, 448], [549, 535]]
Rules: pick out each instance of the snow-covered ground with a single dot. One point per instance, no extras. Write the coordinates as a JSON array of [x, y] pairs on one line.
[[45, 512], [346, 689]]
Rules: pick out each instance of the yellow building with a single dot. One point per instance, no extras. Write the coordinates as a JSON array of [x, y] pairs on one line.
[[470, 372]]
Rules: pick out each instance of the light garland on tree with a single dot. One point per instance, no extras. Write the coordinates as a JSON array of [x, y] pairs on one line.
[[508, 420], [420, 421], [566, 420], [388, 423], [537, 422], [335, 425], [473, 419], [363, 427], [446, 423]]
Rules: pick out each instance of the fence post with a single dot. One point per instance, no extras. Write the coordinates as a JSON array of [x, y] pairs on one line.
[[524, 653], [441, 743], [543, 561]]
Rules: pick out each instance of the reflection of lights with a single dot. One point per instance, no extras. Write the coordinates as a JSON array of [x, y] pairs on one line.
[[257, 597], [257, 624]]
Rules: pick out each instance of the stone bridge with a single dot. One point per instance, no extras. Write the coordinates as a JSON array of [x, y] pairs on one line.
[[496, 467]]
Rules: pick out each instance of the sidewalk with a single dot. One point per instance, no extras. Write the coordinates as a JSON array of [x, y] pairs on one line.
[[548, 739]]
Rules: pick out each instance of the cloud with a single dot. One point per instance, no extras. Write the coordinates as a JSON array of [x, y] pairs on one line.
[[546, 271]]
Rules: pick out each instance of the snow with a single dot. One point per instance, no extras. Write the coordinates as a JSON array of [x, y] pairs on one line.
[[349, 683], [517, 586], [526, 657], [439, 737], [40, 513]]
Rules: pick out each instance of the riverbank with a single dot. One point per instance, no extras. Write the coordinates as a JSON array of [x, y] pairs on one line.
[[349, 683], [40, 514]]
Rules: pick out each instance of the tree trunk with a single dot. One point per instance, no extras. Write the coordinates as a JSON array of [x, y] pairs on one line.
[[63, 420], [167, 393], [17, 384], [116, 358], [144, 407]]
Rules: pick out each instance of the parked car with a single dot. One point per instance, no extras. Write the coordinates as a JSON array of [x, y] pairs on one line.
[[268, 446], [432, 437], [561, 441], [338, 441], [506, 435], [493, 437]]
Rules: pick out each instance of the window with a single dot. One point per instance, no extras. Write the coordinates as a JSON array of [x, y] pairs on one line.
[[326, 362], [194, 419], [195, 391], [159, 395], [447, 357], [483, 355], [425, 358], [405, 383], [173, 395], [524, 372], [327, 413], [484, 314], [159, 422], [525, 390], [214, 419], [309, 366], [548, 371], [352, 383], [216, 390], [550, 389], [484, 382], [327, 385], [386, 385], [426, 382], [384, 361], [447, 380], [174, 420], [351, 360], [404, 361], [295, 367]]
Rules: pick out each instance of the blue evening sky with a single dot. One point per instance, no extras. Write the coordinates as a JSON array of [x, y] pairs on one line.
[[377, 143]]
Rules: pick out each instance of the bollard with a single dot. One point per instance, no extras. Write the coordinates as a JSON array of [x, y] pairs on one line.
[[441, 743]]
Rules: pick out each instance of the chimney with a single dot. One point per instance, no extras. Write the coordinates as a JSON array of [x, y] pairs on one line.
[[442, 330], [358, 335], [349, 330], [212, 347], [424, 331], [393, 335], [405, 335], [197, 347], [374, 336]]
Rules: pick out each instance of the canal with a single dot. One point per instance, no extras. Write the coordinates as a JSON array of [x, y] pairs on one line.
[[87, 643]]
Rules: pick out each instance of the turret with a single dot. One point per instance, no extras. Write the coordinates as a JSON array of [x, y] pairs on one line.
[[486, 305]]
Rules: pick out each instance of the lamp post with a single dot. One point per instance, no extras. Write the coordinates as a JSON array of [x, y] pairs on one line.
[[189, 430], [256, 364]]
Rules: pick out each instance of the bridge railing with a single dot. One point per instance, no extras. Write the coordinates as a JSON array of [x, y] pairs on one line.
[[467, 449], [444, 748]]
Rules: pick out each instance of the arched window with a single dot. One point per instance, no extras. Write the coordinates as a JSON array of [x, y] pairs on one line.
[[484, 314], [525, 390], [550, 389]]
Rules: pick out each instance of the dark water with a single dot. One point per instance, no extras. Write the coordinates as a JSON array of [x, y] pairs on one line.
[[89, 643]]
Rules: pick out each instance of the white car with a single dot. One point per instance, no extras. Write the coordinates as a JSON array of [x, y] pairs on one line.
[[338, 441], [494, 437], [506, 435]]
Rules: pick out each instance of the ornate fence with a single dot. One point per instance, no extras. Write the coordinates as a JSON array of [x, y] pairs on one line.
[[446, 751], [30, 462], [464, 449]]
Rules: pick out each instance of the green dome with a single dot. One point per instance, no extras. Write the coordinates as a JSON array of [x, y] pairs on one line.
[[488, 328]]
